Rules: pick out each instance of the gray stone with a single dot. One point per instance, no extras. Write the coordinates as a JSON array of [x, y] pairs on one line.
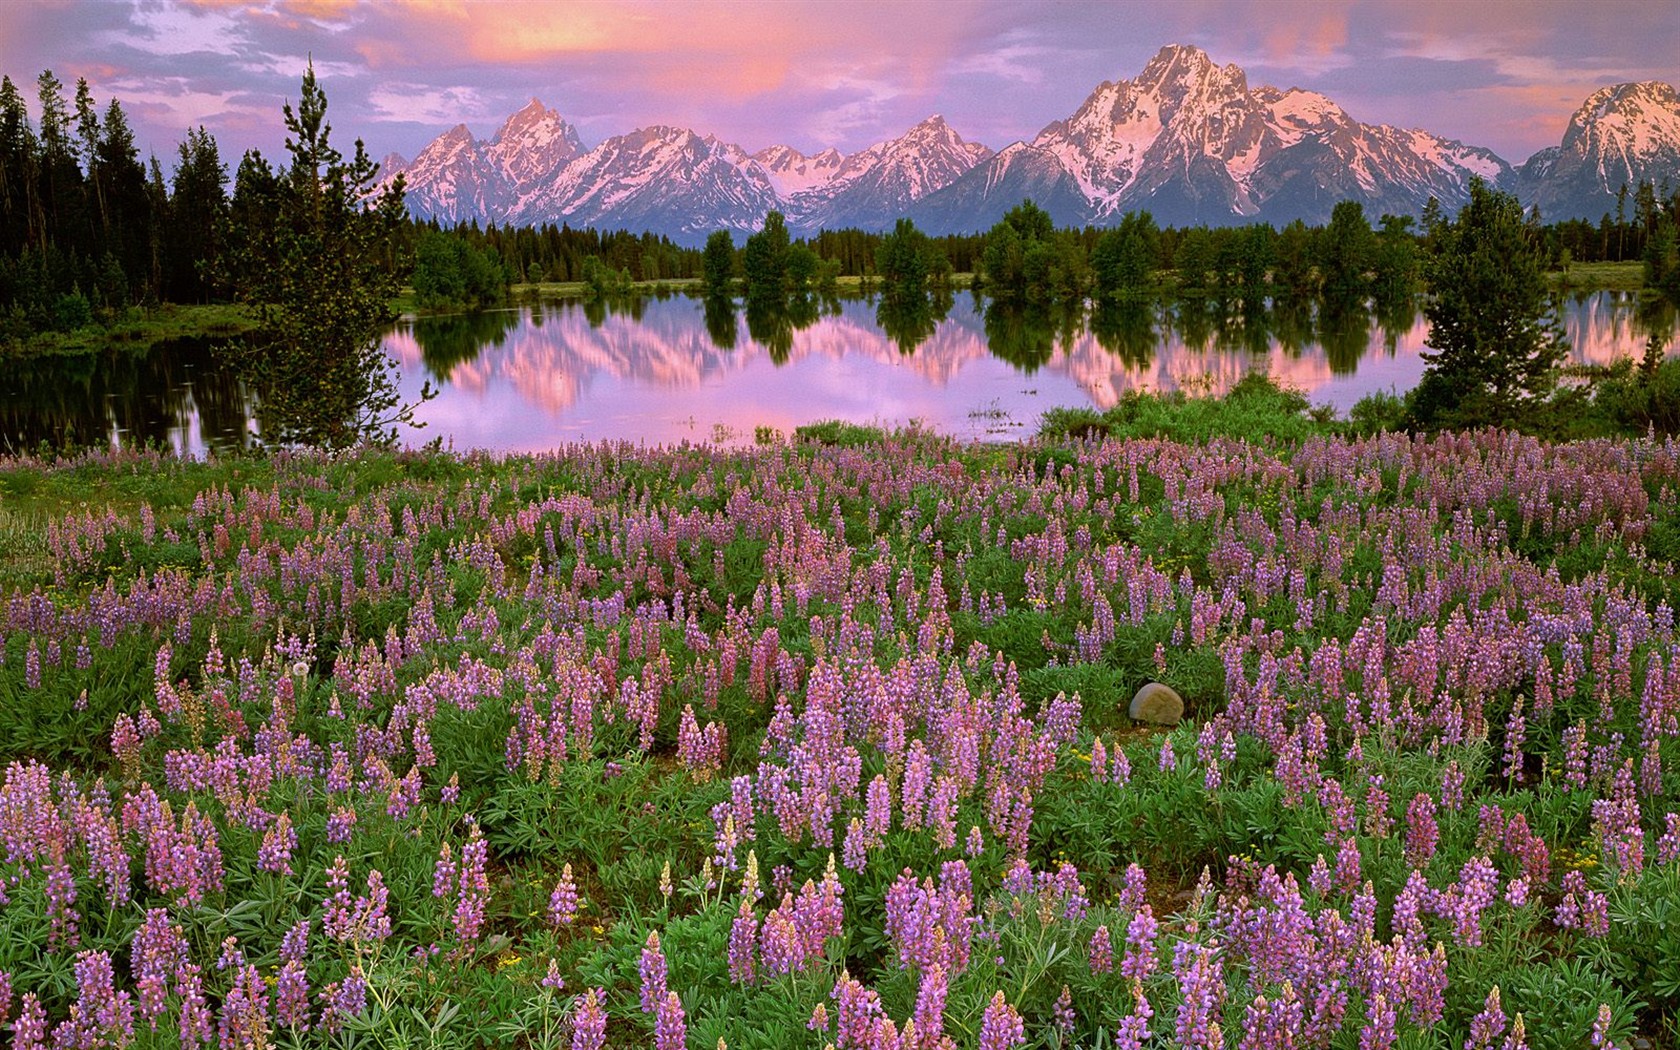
[[1157, 704]]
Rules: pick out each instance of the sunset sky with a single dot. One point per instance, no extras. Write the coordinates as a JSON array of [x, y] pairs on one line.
[[1494, 73]]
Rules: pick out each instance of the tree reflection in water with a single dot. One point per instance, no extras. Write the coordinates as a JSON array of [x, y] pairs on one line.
[[124, 397], [1022, 334], [547, 355], [455, 339]]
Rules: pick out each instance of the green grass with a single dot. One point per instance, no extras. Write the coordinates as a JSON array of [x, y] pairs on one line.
[[1256, 409], [1600, 276], [138, 329]]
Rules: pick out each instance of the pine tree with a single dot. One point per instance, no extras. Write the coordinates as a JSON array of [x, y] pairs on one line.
[[764, 261], [1495, 341], [718, 267], [317, 277]]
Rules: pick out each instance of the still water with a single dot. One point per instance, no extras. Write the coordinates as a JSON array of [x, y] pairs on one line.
[[666, 370]]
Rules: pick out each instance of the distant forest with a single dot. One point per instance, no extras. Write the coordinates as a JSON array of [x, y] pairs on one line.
[[90, 235]]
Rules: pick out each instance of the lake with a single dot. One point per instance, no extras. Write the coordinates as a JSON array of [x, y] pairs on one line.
[[662, 370]]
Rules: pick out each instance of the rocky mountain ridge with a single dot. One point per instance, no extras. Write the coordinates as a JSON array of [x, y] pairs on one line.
[[1187, 140]]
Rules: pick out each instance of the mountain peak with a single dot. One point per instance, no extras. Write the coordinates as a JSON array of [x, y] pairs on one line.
[[1186, 139]]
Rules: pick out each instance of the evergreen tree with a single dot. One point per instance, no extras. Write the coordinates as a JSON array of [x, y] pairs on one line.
[[764, 261], [718, 268], [132, 220], [901, 262], [17, 171], [1346, 253], [198, 213], [322, 293], [1495, 343]]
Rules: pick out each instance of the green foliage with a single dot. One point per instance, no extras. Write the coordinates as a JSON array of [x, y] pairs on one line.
[[838, 432], [1347, 252], [1123, 262], [320, 281], [764, 261], [602, 282], [1256, 408], [450, 272], [901, 263], [1494, 337], [1661, 262], [718, 262], [1027, 259]]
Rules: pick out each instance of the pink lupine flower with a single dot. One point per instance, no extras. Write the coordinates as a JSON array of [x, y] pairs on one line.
[[1001, 1027], [670, 1024], [589, 1021], [563, 902]]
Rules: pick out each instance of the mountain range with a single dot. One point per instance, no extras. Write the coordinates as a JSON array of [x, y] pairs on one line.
[[1186, 139]]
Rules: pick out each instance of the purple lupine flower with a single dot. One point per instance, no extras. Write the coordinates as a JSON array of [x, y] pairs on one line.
[[157, 952], [1378, 1032], [652, 972], [854, 852], [1061, 1013], [552, 979], [243, 1021], [1272, 1024], [291, 996], [1001, 1027], [30, 1031], [1133, 1032], [1139, 959], [342, 999], [563, 902], [929, 1015], [194, 1027], [1422, 833], [670, 1024], [743, 944], [277, 845], [1600, 1037], [1668, 847], [473, 890], [1201, 987], [100, 1012], [1488, 1025], [340, 823], [589, 1021], [1100, 952]]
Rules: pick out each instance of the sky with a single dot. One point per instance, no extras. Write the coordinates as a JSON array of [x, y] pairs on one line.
[[1502, 74]]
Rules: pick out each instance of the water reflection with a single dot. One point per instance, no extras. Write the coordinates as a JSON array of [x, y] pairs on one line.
[[187, 399], [675, 368]]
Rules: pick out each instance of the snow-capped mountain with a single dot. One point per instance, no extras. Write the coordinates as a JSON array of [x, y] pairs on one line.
[[458, 178], [533, 144], [1190, 142], [1187, 140], [792, 172], [872, 188], [1622, 135], [664, 179]]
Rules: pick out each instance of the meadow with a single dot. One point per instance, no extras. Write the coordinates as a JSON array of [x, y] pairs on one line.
[[825, 743]]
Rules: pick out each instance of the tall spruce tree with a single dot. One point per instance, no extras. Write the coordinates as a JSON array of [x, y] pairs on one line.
[[318, 281], [1495, 341]]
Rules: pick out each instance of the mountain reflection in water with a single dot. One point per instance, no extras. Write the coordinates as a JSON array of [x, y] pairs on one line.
[[674, 369]]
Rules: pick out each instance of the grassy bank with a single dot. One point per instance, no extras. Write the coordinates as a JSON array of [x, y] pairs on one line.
[[138, 329], [1599, 277]]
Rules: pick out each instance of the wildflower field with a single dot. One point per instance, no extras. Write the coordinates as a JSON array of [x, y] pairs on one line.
[[826, 744]]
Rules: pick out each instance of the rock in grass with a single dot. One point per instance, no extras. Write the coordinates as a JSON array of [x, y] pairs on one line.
[[1157, 704]]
